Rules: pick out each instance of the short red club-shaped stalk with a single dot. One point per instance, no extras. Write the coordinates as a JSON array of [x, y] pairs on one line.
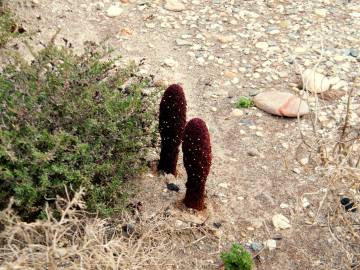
[[197, 161], [172, 121]]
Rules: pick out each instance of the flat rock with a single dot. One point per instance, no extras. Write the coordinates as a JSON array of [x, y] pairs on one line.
[[170, 62], [225, 39], [174, 5], [183, 42], [321, 12], [281, 222], [114, 11], [281, 104], [270, 244], [262, 45], [237, 113], [256, 246], [315, 82]]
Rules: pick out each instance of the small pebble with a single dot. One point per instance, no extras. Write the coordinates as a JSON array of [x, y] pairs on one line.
[[173, 187]]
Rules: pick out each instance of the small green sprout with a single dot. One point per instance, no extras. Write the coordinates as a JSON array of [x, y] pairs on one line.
[[237, 258], [244, 102]]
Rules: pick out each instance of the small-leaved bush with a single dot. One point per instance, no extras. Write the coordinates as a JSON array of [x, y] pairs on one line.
[[237, 258], [7, 25], [244, 102], [67, 120]]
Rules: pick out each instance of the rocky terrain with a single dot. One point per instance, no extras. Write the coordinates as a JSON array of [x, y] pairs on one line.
[[262, 190]]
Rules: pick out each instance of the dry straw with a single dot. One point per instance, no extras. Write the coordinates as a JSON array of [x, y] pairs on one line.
[[335, 158], [76, 241]]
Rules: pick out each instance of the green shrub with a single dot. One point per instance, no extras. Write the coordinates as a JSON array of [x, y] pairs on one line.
[[237, 258], [67, 120], [244, 102], [7, 25]]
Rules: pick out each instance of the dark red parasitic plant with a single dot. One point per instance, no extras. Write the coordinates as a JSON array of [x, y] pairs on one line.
[[196, 148], [172, 121]]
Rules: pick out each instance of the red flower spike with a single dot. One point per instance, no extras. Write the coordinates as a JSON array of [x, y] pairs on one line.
[[196, 148], [172, 121]]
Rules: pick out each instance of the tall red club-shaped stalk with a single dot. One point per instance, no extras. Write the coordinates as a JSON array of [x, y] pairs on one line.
[[172, 121], [196, 148]]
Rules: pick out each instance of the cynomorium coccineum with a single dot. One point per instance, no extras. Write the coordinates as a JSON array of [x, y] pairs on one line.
[[172, 121], [196, 149]]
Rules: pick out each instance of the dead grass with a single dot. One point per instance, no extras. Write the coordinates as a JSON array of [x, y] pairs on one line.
[[76, 241], [335, 157]]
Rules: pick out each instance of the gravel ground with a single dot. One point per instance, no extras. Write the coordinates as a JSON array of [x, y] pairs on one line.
[[222, 50]]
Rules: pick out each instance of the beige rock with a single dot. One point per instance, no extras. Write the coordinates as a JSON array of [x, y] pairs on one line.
[[170, 62], [315, 82], [281, 222], [237, 112], [339, 85], [225, 39], [230, 74], [300, 50], [174, 5], [114, 11], [321, 12], [270, 244], [281, 104], [262, 45]]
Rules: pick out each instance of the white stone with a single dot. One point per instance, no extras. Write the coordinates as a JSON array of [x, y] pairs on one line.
[[280, 222], [339, 85], [114, 11], [174, 5], [305, 203], [60, 252], [235, 80], [339, 58], [182, 42], [270, 244], [323, 118], [304, 161], [201, 61], [315, 82], [284, 205], [237, 112], [224, 185], [150, 25], [334, 80], [178, 223], [321, 12], [281, 104], [285, 145], [300, 50], [170, 62], [225, 39], [262, 45]]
